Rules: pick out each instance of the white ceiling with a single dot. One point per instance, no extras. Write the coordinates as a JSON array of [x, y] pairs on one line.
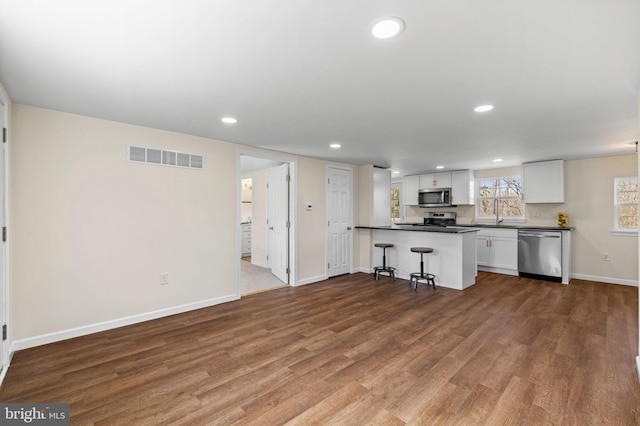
[[298, 75]]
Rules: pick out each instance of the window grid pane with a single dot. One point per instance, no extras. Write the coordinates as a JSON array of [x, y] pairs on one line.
[[626, 203], [507, 192]]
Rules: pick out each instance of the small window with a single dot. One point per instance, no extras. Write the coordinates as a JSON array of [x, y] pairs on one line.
[[395, 205], [625, 205], [503, 193]]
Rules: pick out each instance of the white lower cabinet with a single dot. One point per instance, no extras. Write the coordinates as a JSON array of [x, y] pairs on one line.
[[246, 239], [498, 250]]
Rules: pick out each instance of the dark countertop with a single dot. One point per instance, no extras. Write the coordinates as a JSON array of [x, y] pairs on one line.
[[409, 227], [483, 225], [530, 227]]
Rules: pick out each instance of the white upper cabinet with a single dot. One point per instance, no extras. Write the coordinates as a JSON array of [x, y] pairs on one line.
[[381, 197], [543, 181], [410, 188], [461, 183], [435, 180], [462, 187]]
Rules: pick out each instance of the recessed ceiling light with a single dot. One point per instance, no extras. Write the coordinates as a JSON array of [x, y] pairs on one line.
[[439, 167], [229, 120], [395, 172], [387, 27], [497, 160], [483, 108], [335, 145]]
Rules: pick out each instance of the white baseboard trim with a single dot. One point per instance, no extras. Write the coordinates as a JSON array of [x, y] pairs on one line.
[[311, 280], [498, 270], [120, 322], [363, 269], [638, 367], [3, 373], [609, 280]]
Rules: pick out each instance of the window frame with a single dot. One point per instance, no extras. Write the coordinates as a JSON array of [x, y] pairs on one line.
[[616, 229], [396, 200], [520, 218]]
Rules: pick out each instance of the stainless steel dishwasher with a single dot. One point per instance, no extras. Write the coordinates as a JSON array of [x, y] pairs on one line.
[[540, 254]]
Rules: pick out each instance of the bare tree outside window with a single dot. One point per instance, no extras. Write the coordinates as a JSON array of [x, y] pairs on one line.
[[626, 204], [395, 204], [508, 193]]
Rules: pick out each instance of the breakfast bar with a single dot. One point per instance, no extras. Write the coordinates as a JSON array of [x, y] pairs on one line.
[[454, 257]]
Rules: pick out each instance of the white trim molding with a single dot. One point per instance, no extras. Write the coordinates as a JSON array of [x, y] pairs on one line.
[[116, 323], [310, 280], [608, 280]]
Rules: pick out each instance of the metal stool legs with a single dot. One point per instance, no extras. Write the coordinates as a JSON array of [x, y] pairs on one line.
[[384, 268], [417, 276]]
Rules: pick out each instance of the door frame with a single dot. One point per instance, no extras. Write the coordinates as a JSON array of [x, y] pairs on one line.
[[293, 217], [4, 292], [351, 215]]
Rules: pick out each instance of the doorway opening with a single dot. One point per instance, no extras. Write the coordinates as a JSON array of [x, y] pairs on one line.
[[266, 222]]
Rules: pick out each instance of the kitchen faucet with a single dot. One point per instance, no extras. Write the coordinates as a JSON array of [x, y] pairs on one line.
[[495, 209]]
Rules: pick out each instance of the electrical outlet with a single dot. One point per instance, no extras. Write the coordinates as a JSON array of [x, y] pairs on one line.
[[164, 278], [606, 257]]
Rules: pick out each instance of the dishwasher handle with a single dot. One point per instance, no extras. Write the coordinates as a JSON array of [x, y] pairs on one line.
[[538, 234]]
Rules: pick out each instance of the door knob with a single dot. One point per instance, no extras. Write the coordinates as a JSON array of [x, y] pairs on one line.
[[271, 228]]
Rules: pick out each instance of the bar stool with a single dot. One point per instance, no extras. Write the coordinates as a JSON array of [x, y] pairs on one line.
[[417, 276], [384, 267]]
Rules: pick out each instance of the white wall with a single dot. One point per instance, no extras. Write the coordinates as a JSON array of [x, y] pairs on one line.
[[92, 232], [363, 216], [589, 203]]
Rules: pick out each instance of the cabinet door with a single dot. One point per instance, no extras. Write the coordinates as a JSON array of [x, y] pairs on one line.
[[543, 182], [504, 253], [484, 251], [246, 239], [462, 187], [411, 186], [435, 180], [381, 197]]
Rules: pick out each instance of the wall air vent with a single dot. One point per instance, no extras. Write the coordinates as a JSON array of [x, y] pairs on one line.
[[139, 154]]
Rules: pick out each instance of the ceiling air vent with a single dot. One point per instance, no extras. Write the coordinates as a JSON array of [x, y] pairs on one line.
[[165, 158]]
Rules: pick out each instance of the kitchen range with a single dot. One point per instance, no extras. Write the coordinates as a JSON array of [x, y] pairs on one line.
[[438, 219]]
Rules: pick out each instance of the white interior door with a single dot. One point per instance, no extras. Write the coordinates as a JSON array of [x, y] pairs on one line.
[[278, 222], [339, 213]]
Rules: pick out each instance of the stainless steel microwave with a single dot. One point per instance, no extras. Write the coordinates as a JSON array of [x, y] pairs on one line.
[[434, 197]]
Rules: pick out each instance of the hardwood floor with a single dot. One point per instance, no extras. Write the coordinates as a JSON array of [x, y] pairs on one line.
[[352, 351]]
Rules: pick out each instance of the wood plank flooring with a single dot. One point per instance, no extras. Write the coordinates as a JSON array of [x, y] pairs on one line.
[[354, 351]]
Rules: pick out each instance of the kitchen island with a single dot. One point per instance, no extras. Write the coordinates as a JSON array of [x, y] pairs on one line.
[[454, 257]]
